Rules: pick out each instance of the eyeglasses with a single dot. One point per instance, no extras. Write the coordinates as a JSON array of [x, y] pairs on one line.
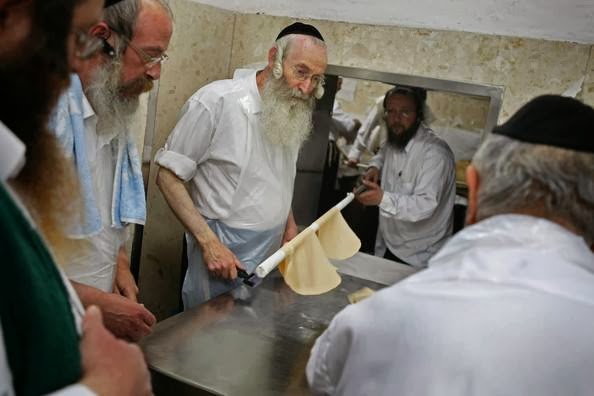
[[87, 45], [406, 113], [148, 60], [303, 74]]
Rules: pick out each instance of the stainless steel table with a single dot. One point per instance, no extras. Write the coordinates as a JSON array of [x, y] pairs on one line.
[[254, 341]]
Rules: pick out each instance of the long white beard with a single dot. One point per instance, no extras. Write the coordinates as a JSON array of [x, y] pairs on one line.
[[113, 110], [286, 114]]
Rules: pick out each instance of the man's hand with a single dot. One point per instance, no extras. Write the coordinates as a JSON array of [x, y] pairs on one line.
[[352, 163], [372, 175], [124, 281], [124, 318], [373, 196], [111, 366], [220, 261]]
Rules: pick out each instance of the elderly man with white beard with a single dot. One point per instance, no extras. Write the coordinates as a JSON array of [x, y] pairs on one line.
[[237, 144], [92, 123]]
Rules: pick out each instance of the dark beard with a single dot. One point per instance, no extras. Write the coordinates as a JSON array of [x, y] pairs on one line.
[[32, 88], [33, 80], [399, 141]]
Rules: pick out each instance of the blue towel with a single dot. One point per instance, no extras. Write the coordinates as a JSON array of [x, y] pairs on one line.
[[128, 201]]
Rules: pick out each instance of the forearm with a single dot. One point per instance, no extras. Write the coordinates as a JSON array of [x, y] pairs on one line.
[[181, 204], [88, 295], [290, 228], [291, 220]]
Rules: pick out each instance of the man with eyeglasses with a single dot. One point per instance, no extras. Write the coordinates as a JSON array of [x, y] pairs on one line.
[[48, 344], [418, 184], [236, 144], [117, 59]]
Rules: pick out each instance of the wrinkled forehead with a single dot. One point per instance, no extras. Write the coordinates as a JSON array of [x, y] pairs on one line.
[[307, 52]]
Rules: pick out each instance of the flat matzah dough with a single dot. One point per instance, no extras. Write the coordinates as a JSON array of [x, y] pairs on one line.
[[306, 269], [336, 237], [359, 295]]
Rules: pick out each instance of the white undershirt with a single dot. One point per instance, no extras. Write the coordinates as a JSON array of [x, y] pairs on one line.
[[97, 265]]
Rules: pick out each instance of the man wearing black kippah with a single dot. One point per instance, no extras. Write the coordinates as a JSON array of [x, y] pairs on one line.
[[506, 307], [236, 144]]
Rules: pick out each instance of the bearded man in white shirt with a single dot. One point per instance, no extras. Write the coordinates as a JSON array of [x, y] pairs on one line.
[[236, 145], [418, 183], [93, 125], [506, 307]]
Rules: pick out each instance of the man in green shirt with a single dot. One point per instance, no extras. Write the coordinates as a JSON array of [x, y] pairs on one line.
[[46, 344]]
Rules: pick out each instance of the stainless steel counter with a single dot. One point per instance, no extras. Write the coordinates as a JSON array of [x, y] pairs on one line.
[[254, 341]]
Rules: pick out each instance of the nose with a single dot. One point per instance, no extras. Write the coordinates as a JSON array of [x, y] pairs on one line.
[[307, 86], [154, 72]]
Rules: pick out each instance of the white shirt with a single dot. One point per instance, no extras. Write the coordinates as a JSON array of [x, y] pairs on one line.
[[96, 265], [12, 154], [373, 134], [416, 211], [235, 175], [342, 124], [505, 308]]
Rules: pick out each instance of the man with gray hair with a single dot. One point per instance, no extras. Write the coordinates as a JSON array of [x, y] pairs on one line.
[[506, 307], [237, 143], [92, 123]]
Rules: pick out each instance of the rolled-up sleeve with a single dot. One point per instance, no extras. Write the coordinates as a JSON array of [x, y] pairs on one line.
[[422, 200], [187, 146]]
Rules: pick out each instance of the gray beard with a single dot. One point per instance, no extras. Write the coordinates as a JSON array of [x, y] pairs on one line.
[[114, 112], [286, 118]]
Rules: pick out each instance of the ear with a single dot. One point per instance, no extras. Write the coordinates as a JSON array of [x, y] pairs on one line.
[[472, 180], [100, 30], [272, 56]]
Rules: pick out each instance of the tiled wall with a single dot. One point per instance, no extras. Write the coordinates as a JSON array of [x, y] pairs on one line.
[[525, 67], [209, 43]]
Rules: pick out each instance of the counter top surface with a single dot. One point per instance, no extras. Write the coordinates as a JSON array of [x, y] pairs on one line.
[[257, 340]]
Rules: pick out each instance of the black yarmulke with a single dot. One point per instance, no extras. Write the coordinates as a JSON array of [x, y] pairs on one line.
[[552, 120], [110, 3], [300, 28]]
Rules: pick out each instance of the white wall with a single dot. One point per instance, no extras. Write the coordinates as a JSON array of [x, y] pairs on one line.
[[563, 20]]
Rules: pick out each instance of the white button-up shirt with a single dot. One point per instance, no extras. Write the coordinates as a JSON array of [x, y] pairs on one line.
[[419, 183], [372, 135], [505, 308], [235, 175]]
